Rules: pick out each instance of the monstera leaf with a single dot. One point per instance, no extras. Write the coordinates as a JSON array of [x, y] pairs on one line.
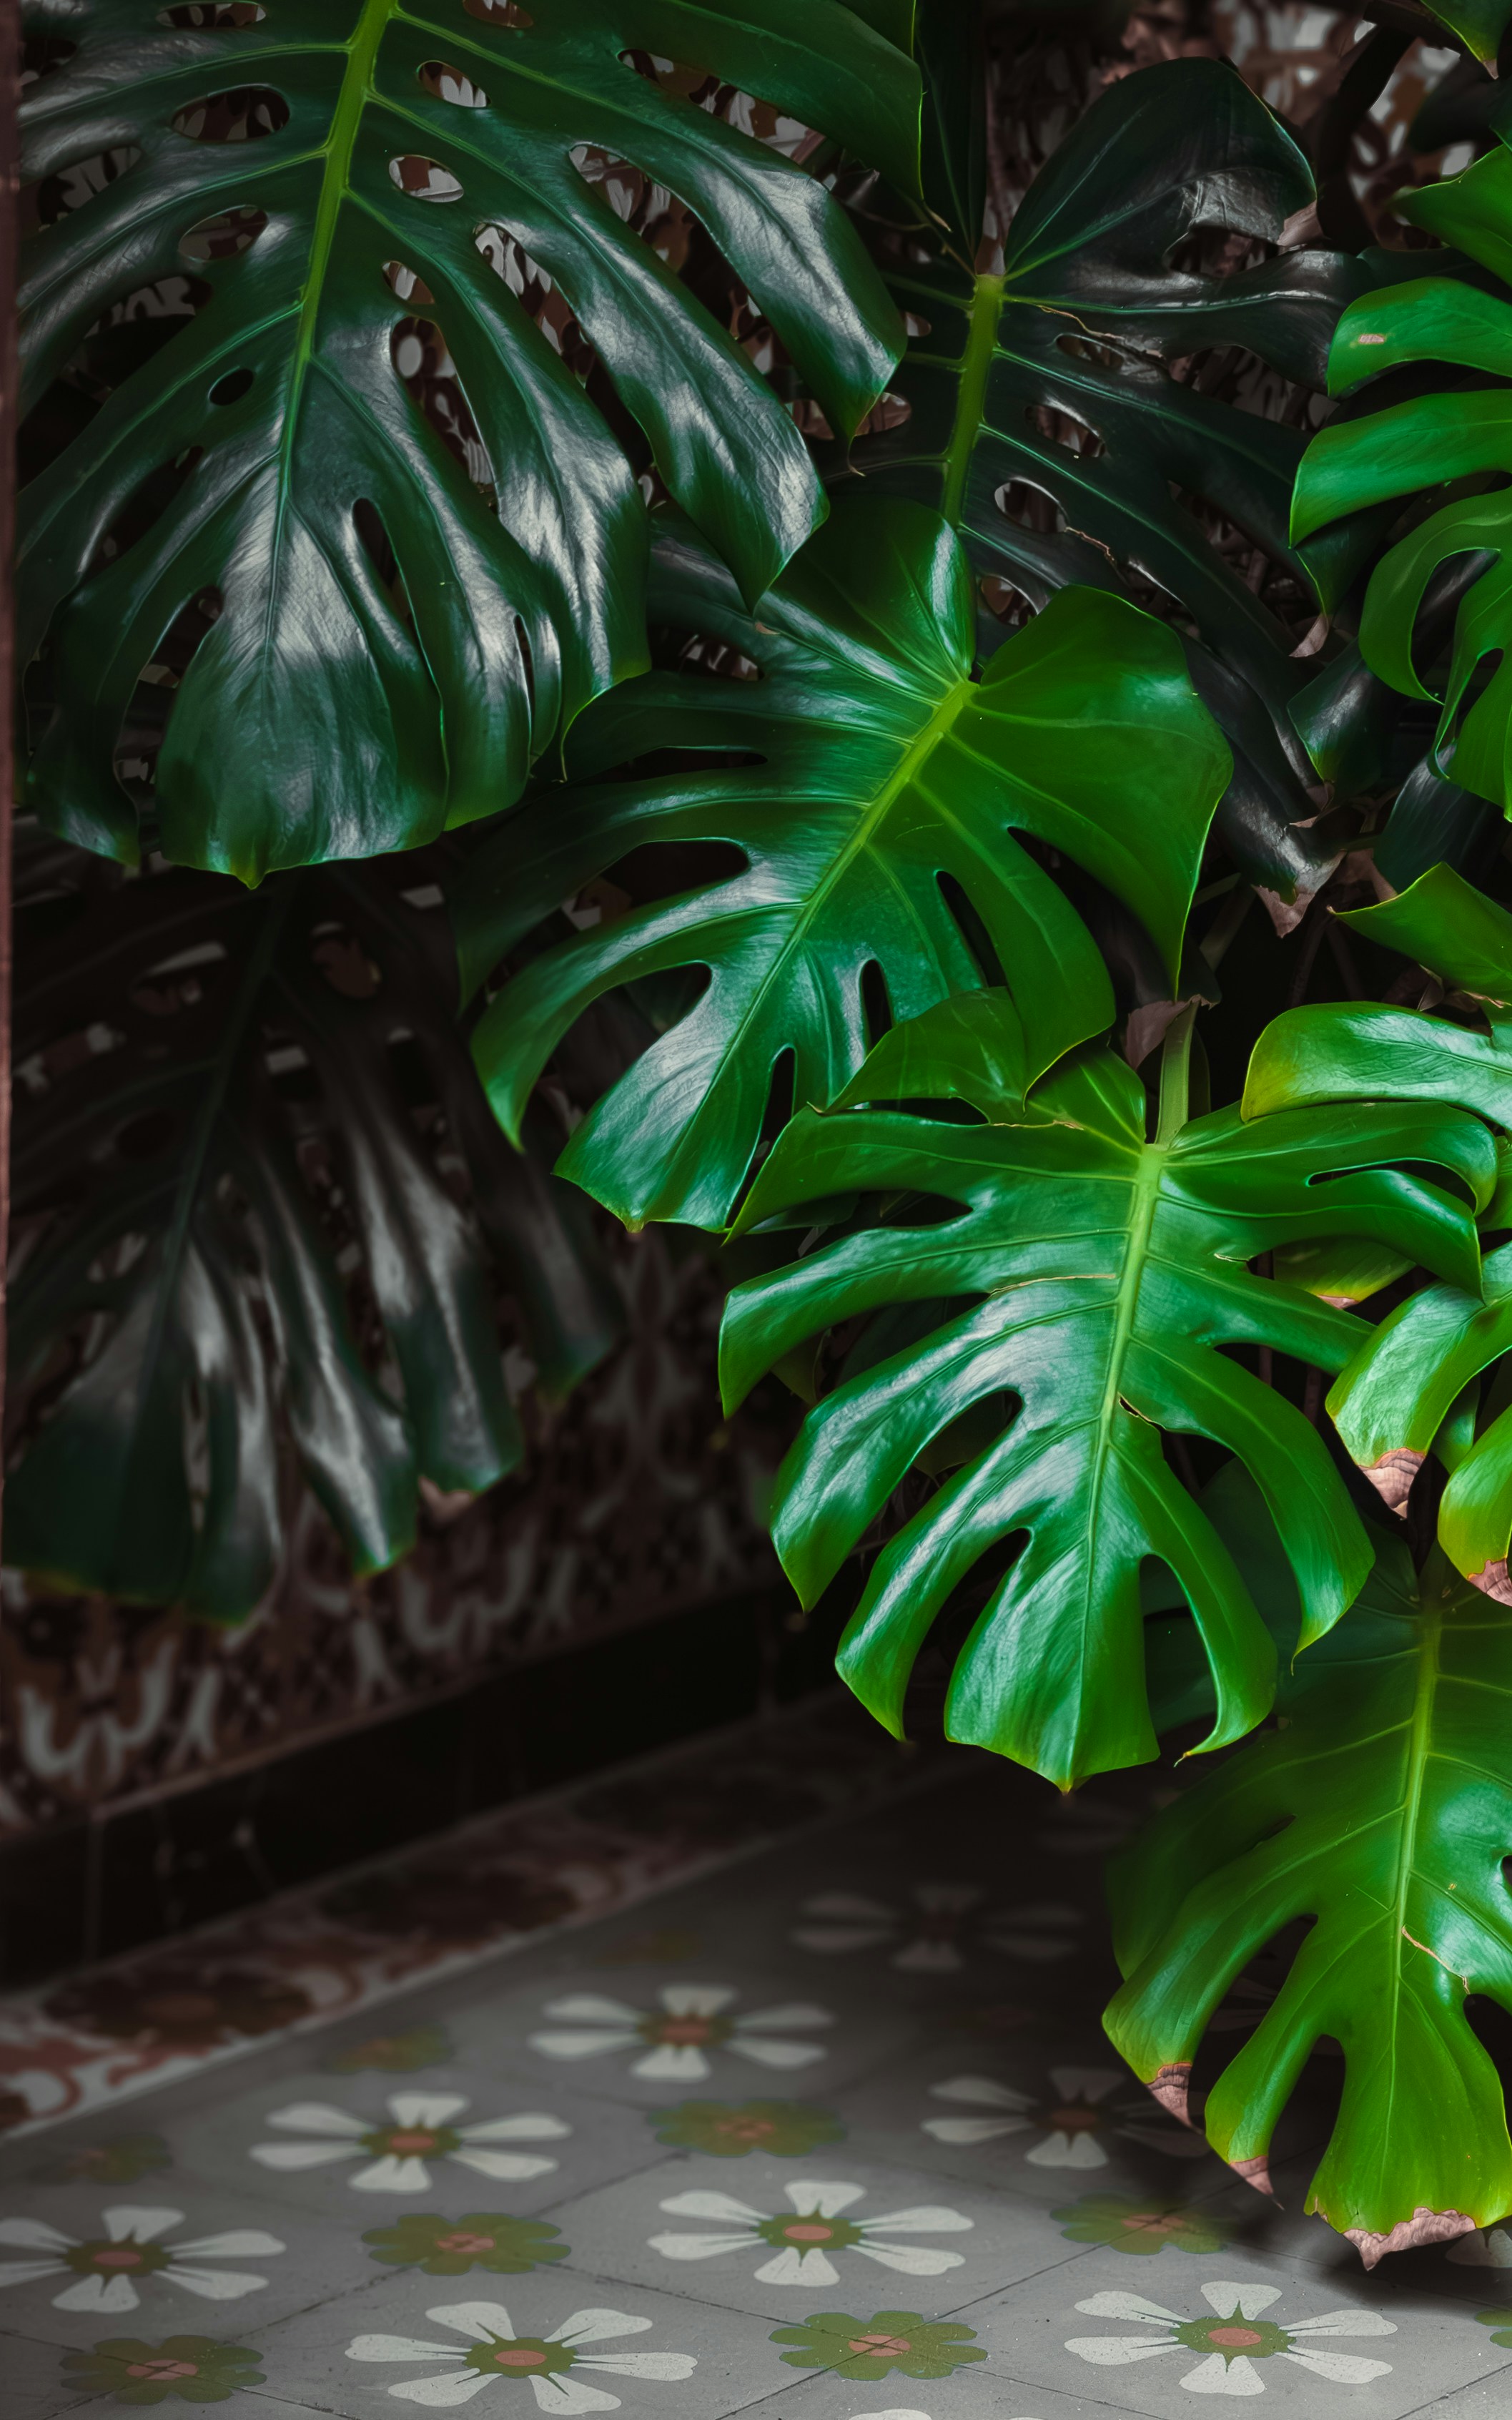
[[1049, 376], [1377, 1814], [1440, 436], [386, 645], [882, 771], [1423, 1364], [1106, 1276], [241, 1130]]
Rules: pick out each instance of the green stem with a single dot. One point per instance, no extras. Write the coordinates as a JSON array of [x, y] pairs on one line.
[[971, 394], [1175, 1065]]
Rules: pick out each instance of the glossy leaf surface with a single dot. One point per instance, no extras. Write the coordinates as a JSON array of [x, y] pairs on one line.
[[1051, 377], [883, 769], [1461, 430], [371, 148], [1108, 1274], [1380, 1813], [235, 1166]]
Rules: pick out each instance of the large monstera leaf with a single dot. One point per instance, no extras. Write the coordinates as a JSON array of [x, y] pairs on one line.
[[1458, 431], [1376, 1813], [1104, 1277], [389, 648], [1052, 374], [241, 1127], [1415, 1385], [882, 768]]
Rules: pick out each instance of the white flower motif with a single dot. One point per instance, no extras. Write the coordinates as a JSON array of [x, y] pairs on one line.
[[108, 2268], [421, 2130], [1232, 2343], [676, 2039], [494, 2355], [930, 1938], [1072, 2118], [1489, 2247], [801, 2244]]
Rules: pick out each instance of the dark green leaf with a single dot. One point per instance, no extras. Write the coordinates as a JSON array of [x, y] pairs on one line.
[[1111, 1272], [1052, 375], [883, 768], [1378, 1814], [232, 1110], [337, 706]]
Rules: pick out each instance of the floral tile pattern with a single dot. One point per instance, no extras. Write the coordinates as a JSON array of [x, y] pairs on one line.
[[676, 2042], [107, 2269], [941, 1929], [396, 2155], [653, 2163], [803, 2237], [446, 2247], [1231, 2341], [888, 2341], [187, 2369], [733, 2129], [1071, 2120], [553, 2366]]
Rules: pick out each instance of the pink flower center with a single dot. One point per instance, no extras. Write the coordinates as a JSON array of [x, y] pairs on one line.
[[1075, 2119], [684, 2029], [879, 2345], [1150, 2222], [120, 2256], [411, 2139], [519, 2357], [744, 2130], [806, 2230], [1234, 2339], [162, 2370], [464, 2243]]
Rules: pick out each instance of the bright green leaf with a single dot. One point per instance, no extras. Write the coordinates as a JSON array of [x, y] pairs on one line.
[[1377, 1813], [884, 768], [1109, 1272]]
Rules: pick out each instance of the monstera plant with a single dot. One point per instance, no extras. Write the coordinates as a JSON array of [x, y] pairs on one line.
[[972, 631]]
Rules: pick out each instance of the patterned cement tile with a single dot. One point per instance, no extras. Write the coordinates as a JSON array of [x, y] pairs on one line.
[[662, 2357], [1316, 2344], [353, 2149], [1031, 2119], [787, 2238], [35, 2384], [968, 2394], [76, 2263]]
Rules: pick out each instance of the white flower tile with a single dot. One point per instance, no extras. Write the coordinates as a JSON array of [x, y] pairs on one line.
[[724, 2231]]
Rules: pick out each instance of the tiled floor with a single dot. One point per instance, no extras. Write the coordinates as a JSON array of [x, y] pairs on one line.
[[827, 2133]]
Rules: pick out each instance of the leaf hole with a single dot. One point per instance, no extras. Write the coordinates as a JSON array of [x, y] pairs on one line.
[[762, 120], [444, 82], [1065, 429], [1004, 602], [224, 235], [426, 369], [670, 869], [423, 180], [144, 724], [248, 114], [539, 296], [344, 963], [143, 510], [212, 15], [507, 15], [973, 932], [231, 388], [42, 55], [716, 659], [408, 287], [176, 984], [373, 537], [1030, 508], [1086, 349], [69, 188], [876, 1008]]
